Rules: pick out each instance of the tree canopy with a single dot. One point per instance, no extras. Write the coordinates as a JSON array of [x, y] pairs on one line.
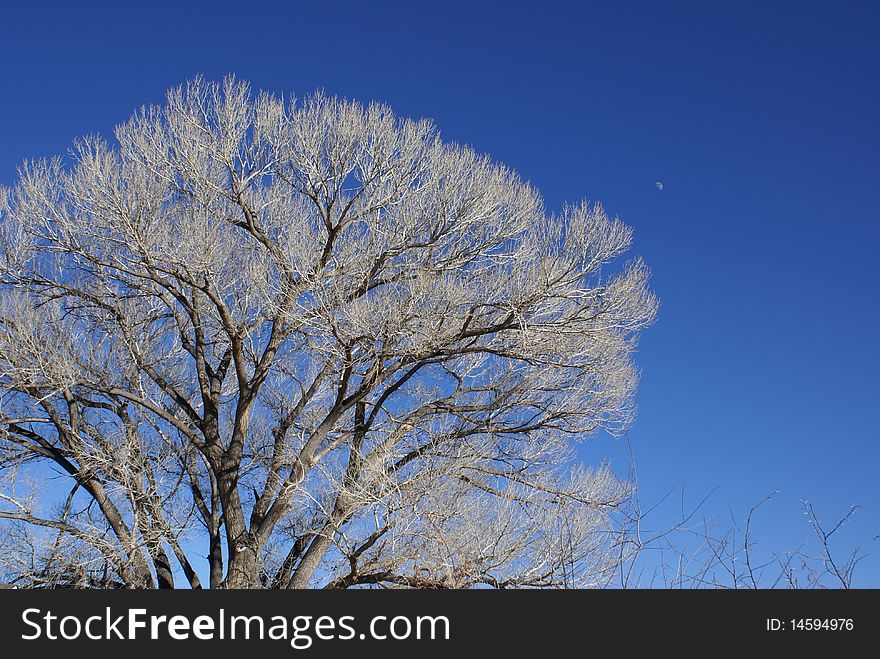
[[312, 342]]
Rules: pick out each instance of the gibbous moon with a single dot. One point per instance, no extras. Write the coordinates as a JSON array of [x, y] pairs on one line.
[[659, 184]]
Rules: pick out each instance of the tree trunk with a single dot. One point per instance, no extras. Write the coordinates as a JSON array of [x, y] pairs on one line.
[[241, 545]]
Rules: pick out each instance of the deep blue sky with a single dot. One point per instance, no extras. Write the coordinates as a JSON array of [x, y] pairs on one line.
[[761, 119]]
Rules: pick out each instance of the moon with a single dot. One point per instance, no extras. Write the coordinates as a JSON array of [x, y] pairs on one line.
[[659, 184]]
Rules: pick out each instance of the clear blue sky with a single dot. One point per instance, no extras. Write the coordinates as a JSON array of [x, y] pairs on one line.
[[760, 118]]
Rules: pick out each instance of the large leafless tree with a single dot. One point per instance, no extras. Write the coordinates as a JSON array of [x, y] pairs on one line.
[[311, 344]]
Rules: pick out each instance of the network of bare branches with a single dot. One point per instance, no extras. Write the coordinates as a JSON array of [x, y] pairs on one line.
[[312, 344], [702, 551]]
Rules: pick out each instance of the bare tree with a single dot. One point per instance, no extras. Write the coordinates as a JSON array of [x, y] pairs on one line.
[[313, 343], [699, 551]]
